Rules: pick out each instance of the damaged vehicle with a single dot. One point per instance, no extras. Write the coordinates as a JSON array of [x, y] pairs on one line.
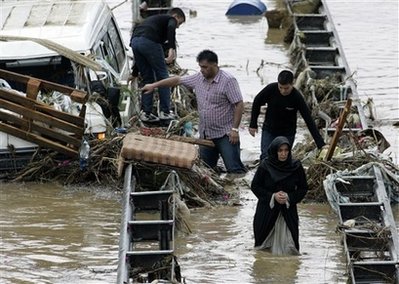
[[72, 43]]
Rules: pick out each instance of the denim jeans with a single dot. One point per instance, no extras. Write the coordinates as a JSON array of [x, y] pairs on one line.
[[230, 154], [267, 139], [150, 59]]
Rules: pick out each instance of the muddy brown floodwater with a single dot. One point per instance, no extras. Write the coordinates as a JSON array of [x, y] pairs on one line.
[[53, 234], [56, 234]]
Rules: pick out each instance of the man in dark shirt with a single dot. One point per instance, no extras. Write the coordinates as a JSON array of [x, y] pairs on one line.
[[283, 102], [147, 43]]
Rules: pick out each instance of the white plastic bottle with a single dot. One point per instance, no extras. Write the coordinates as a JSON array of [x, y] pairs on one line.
[[84, 155]]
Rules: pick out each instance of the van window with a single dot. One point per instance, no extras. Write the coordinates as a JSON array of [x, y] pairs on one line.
[[56, 69], [117, 43], [113, 47], [109, 53]]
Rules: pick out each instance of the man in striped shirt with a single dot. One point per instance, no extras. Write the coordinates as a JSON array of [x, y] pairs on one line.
[[220, 107]]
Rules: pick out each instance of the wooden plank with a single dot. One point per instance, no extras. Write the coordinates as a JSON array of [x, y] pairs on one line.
[[25, 125], [79, 96], [76, 120], [40, 117], [76, 95], [82, 113], [33, 120], [32, 104], [41, 141], [338, 130], [32, 88], [19, 99], [192, 140]]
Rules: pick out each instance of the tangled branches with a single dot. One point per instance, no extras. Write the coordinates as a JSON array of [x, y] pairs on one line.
[[102, 167]]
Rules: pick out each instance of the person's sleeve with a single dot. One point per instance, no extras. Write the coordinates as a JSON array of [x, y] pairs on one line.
[[233, 91], [258, 185], [301, 187], [189, 81], [172, 24], [307, 117], [256, 105]]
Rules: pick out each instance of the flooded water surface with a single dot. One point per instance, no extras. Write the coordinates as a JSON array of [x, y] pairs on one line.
[[371, 45], [55, 234], [52, 234], [221, 248]]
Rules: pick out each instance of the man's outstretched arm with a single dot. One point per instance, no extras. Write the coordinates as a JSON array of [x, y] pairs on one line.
[[168, 82]]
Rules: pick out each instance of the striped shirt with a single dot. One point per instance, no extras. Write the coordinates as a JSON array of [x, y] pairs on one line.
[[216, 102]]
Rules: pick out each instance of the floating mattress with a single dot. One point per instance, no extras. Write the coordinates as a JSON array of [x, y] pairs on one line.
[[159, 150]]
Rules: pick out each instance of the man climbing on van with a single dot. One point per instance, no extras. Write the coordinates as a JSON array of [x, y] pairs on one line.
[[147, 45]]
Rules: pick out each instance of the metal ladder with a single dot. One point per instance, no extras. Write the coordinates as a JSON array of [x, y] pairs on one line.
[[322, 53], [146, 244], [372, 244]]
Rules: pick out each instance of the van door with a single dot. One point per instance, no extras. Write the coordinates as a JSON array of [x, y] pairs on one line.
[[113, 52]]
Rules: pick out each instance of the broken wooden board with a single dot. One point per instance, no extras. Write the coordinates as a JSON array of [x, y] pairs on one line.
[[25, 117]]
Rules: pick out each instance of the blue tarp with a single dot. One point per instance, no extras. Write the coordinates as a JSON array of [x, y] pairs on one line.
[[246, 8]]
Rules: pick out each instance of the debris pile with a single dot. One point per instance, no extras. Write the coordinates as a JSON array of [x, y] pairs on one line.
[[353, 151]]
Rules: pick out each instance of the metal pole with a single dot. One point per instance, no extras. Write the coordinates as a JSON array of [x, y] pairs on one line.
[[124, 240], [135, 12]]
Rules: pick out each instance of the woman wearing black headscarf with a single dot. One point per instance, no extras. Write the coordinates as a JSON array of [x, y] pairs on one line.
[[279, 184]]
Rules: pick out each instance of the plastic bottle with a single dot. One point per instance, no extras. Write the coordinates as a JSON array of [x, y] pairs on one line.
[[188, 129], [84, 154]]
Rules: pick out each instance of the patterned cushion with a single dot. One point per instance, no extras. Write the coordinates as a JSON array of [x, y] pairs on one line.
[[159, 150]]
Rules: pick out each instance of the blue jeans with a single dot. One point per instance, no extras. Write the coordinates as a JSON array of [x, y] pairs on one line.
[[267, 139], [150, 59], [230, 154]]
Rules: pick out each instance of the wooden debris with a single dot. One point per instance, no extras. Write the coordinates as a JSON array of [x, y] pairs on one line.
[[192, 140], [338, 129]]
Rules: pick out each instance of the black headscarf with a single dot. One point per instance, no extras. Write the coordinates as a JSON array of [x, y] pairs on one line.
[[279, 170]]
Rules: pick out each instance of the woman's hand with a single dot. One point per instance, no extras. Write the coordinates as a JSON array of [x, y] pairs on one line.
[[281, 197], [252, 131]]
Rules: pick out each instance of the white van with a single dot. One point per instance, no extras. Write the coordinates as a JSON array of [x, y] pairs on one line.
[[72, 42]]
